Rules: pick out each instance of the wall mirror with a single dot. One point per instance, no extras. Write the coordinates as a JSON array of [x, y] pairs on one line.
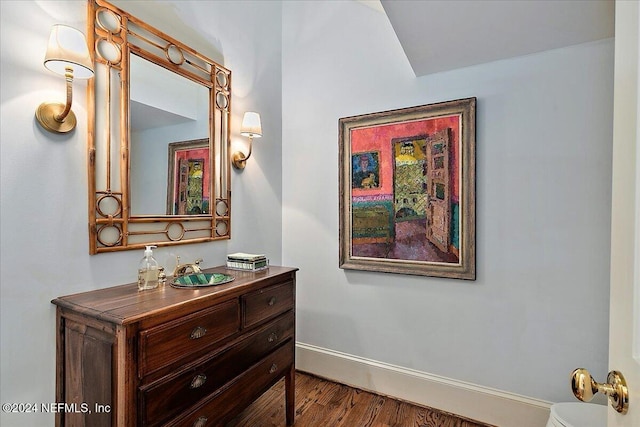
[[158, 145]]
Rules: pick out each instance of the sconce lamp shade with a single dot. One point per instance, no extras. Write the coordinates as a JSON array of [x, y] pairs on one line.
[[68, 49], [251, 125]]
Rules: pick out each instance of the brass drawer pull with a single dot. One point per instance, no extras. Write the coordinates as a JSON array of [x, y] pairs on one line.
[[272, 301], [272, 337], [198, 381], [198, 332], [273, 368], [200, 422]]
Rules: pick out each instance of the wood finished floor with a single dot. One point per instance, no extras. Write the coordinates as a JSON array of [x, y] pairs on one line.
[[322, 403]]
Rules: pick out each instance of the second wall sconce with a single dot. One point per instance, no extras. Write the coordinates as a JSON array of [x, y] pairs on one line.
[[252, 128], [68, 55]]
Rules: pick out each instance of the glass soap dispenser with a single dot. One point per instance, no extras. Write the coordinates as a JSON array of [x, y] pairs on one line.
[[148, 271]]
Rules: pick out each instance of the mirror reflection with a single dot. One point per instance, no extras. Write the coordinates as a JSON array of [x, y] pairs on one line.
[[167, 110]]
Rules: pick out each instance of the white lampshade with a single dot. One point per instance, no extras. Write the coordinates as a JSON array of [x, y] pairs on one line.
[[251, 125], [68, 49]]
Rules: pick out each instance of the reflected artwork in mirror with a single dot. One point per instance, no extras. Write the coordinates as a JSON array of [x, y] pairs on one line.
[[188, 183], [154, 102]]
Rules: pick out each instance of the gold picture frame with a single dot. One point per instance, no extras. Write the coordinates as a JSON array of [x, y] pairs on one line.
[[407, 190]]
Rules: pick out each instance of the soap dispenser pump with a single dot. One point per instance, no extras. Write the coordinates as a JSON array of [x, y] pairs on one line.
[[148, 271]]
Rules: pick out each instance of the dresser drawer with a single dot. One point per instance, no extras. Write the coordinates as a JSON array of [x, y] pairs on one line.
[[234, 398], [171, 395], [186, 337], [266, 303]]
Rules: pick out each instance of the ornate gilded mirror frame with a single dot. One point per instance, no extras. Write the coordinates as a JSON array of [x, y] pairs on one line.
[[114, 36]]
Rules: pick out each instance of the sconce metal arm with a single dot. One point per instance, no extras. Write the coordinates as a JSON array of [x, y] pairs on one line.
[[57, 117], [68, 76], [250, 148], [238, 159]]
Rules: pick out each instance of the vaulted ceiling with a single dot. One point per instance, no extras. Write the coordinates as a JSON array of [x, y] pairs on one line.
[[441, 35]]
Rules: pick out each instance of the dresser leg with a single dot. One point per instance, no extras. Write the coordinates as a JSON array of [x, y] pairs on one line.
[[290, 395]]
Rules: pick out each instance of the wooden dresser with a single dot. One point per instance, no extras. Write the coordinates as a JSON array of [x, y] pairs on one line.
[[175, 357]]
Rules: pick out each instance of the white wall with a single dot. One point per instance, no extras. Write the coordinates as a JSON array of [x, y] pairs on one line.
[[539, 306], [43, 205]]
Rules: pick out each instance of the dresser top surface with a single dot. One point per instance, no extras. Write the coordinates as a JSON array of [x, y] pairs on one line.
[[125, 304]]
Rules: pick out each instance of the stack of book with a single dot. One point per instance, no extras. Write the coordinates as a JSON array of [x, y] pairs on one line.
[[247, 262]]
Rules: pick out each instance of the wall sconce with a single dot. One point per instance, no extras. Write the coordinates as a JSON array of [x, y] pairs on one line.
[[68, 55], [252, 128]]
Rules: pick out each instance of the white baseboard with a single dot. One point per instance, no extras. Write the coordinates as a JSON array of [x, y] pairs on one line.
[[491, 406]]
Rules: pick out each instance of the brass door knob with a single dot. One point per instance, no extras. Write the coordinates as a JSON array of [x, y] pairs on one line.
[[585, 387]]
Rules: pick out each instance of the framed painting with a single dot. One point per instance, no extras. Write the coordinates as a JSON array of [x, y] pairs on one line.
[[407, 190], [188, 178]]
